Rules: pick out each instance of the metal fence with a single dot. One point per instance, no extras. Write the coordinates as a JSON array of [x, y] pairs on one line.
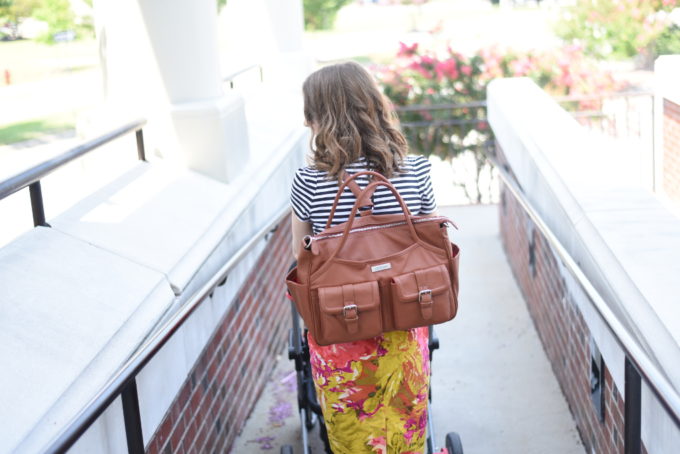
[[460, 134], [627, 115]]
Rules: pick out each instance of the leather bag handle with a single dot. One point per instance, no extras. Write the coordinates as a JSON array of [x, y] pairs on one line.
[[347, 183], [352, 215]]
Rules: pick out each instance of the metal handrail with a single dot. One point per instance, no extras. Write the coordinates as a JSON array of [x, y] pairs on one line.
[[31, 178], [126, 374], [123, 382], [618, 94], [657, 381], [416, 107], [35, 173], [447, 122], [231, 76], [241, 71]]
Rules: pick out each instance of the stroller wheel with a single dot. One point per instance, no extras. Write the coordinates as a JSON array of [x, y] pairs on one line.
[[287, 449], [453, 443]]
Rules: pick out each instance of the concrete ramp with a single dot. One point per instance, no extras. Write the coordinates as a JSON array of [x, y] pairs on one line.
[[492, 382]]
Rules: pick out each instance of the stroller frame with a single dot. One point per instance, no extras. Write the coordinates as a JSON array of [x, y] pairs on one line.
[[309, 408]]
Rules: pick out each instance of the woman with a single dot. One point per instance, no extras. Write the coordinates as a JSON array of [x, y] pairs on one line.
[[373, 393]]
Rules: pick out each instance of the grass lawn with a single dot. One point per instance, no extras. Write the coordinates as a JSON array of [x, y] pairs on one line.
[[33, 129], [28, 60]]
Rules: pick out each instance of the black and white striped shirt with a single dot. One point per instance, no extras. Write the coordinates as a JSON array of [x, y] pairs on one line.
[[312, 193]]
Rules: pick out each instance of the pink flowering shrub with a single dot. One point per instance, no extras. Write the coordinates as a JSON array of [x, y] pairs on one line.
[[441, 95], [424, 78]]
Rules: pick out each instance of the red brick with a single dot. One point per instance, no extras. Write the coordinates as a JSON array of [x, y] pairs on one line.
[[212, 389], [154, 447], [175, 438], [163, 432], [671, 152]]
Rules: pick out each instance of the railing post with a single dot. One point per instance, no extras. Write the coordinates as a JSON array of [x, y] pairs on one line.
[[133, 421], [633, 400], [141, 153], [37, 205]]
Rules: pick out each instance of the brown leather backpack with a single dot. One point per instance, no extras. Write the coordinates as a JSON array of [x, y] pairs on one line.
[[375, 273]]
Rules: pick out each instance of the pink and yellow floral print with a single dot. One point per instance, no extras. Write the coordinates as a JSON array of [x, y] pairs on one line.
[[373, 393]]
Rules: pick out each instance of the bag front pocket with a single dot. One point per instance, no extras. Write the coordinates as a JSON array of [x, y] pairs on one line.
[[300, 296], [349, 312], [422, 297]]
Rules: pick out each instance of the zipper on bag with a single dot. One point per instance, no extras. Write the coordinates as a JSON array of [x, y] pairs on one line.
[[309, 239]]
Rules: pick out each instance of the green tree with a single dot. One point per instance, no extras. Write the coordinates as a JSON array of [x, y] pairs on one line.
[[669, 41], [320, 14], [15, 11], [614, 28], [58, 16]]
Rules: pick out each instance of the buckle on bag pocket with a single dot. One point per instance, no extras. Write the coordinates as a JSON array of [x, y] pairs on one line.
[[422, 297], [351, 307], [425, 301], [427, 292], [349, 312]]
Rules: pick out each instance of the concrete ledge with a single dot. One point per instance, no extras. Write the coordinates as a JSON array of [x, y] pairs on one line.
[[117, 264], [666, 70], [589, 192], [183, 224], [61, 341], [151, 215]]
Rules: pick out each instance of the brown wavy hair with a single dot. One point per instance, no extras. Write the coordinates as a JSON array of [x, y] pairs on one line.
[[350, 118]]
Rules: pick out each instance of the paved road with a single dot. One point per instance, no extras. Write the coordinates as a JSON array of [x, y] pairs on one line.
[[492, 382]]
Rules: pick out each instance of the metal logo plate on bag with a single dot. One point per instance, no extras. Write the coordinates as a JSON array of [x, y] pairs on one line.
[[381, 267]]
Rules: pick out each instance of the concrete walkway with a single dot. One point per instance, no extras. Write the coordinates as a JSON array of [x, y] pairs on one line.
[[491, 383]]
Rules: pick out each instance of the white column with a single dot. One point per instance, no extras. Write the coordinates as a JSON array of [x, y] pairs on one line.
[[287, 23], [160, 60], [269, 33]]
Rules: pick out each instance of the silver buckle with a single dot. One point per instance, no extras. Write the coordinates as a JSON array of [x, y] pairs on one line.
[[349, 307], [424, 292]]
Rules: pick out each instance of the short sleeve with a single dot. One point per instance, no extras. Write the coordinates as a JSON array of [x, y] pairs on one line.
[[427, 203], [302, 193]]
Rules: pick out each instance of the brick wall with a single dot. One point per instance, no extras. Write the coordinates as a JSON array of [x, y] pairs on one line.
[[224, 384], [561, 328], [671, 149]]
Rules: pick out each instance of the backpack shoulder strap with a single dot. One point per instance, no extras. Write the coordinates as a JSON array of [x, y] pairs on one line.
[[348, 181], [351, 184]]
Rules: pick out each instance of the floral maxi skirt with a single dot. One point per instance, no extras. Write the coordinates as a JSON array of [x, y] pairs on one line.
[[373, 393]]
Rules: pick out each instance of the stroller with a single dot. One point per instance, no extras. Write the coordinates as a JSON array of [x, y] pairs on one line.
[[309, 408]]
